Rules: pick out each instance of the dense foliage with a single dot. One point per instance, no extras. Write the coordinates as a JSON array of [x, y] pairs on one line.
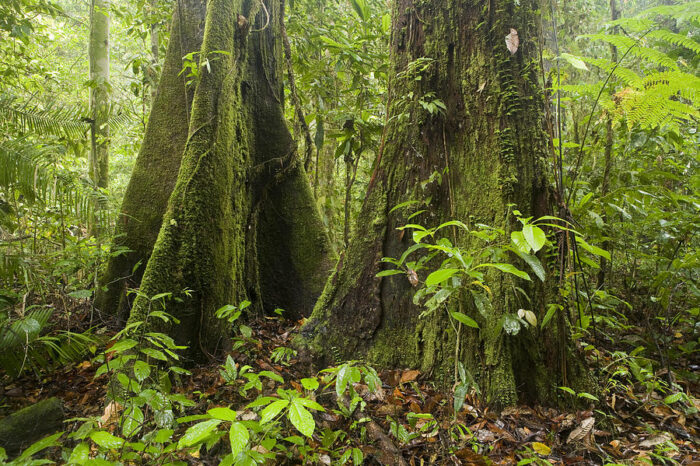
[[622, 93]]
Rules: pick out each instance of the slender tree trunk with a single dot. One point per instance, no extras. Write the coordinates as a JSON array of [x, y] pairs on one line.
[[489, 149], [99, 95], [156, 167], [609, 141], [241, 222]]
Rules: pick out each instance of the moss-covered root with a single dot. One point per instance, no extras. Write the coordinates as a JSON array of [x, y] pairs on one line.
[[156, 167], [26, 426], [201, 244]]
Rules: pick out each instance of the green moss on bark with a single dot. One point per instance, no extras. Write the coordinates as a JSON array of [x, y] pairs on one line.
[[156, 167], [489, 148], [199, 246], [241, 221]]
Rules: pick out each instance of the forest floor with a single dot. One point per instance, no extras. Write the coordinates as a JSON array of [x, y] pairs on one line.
[[630, 426]]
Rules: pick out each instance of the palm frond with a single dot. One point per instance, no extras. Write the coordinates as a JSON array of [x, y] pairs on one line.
[[55, 120]]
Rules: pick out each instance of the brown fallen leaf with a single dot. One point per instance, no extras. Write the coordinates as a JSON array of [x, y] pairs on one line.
[[512, 41], [409, 376], [654, 440], [111, 414], [582, 431]]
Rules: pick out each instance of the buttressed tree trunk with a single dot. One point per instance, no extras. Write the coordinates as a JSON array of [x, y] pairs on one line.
[[241, 222], [156, 167], [489, 147]]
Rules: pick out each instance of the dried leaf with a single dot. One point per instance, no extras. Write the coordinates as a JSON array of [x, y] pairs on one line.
[[111, 414], [409, 376], [655, 440], [412, 277], [581, 431], [512, 41]]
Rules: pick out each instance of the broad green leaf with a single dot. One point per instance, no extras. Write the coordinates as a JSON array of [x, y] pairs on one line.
[[357, 457], [301, 418], [568, 390], [533, 262], [132, 420], [309, 404], [272, 410], [122, 345], [80, 454], [260, 401], [460, 392], [141, 370], [272, 375], [574, 61], [36, 447], [155, 354], [519, 241], [225, 414], [534, 236], [106, 440], [453, 223], [588, 395], [508, 268], [80, 294], [310, 383], [670, 399], [466, 320], [239, 436], [551, 309], [386, 273], [198, 433], [163, 435], [592, 249], [439, 276]]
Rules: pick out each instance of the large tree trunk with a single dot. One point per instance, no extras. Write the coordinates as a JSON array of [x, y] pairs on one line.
[[489, 148], [241, 222], [156, 167]]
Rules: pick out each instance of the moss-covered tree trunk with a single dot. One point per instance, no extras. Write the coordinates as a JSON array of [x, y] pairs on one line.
[[241, 222], [156, 167], [486, 151]]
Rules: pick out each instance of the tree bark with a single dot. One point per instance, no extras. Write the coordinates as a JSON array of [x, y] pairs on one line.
[[241, 222], [156, 167], [24, 427], [99, 92], [98, 159], [489, 150]]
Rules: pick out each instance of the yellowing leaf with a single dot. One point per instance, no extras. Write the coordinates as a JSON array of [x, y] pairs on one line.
[[541, 449]]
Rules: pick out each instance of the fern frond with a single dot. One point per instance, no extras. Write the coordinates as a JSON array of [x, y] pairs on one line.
[[624, 43], [683, 12], [665, 98], [675, 39], [54, 120], [625, 75]]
